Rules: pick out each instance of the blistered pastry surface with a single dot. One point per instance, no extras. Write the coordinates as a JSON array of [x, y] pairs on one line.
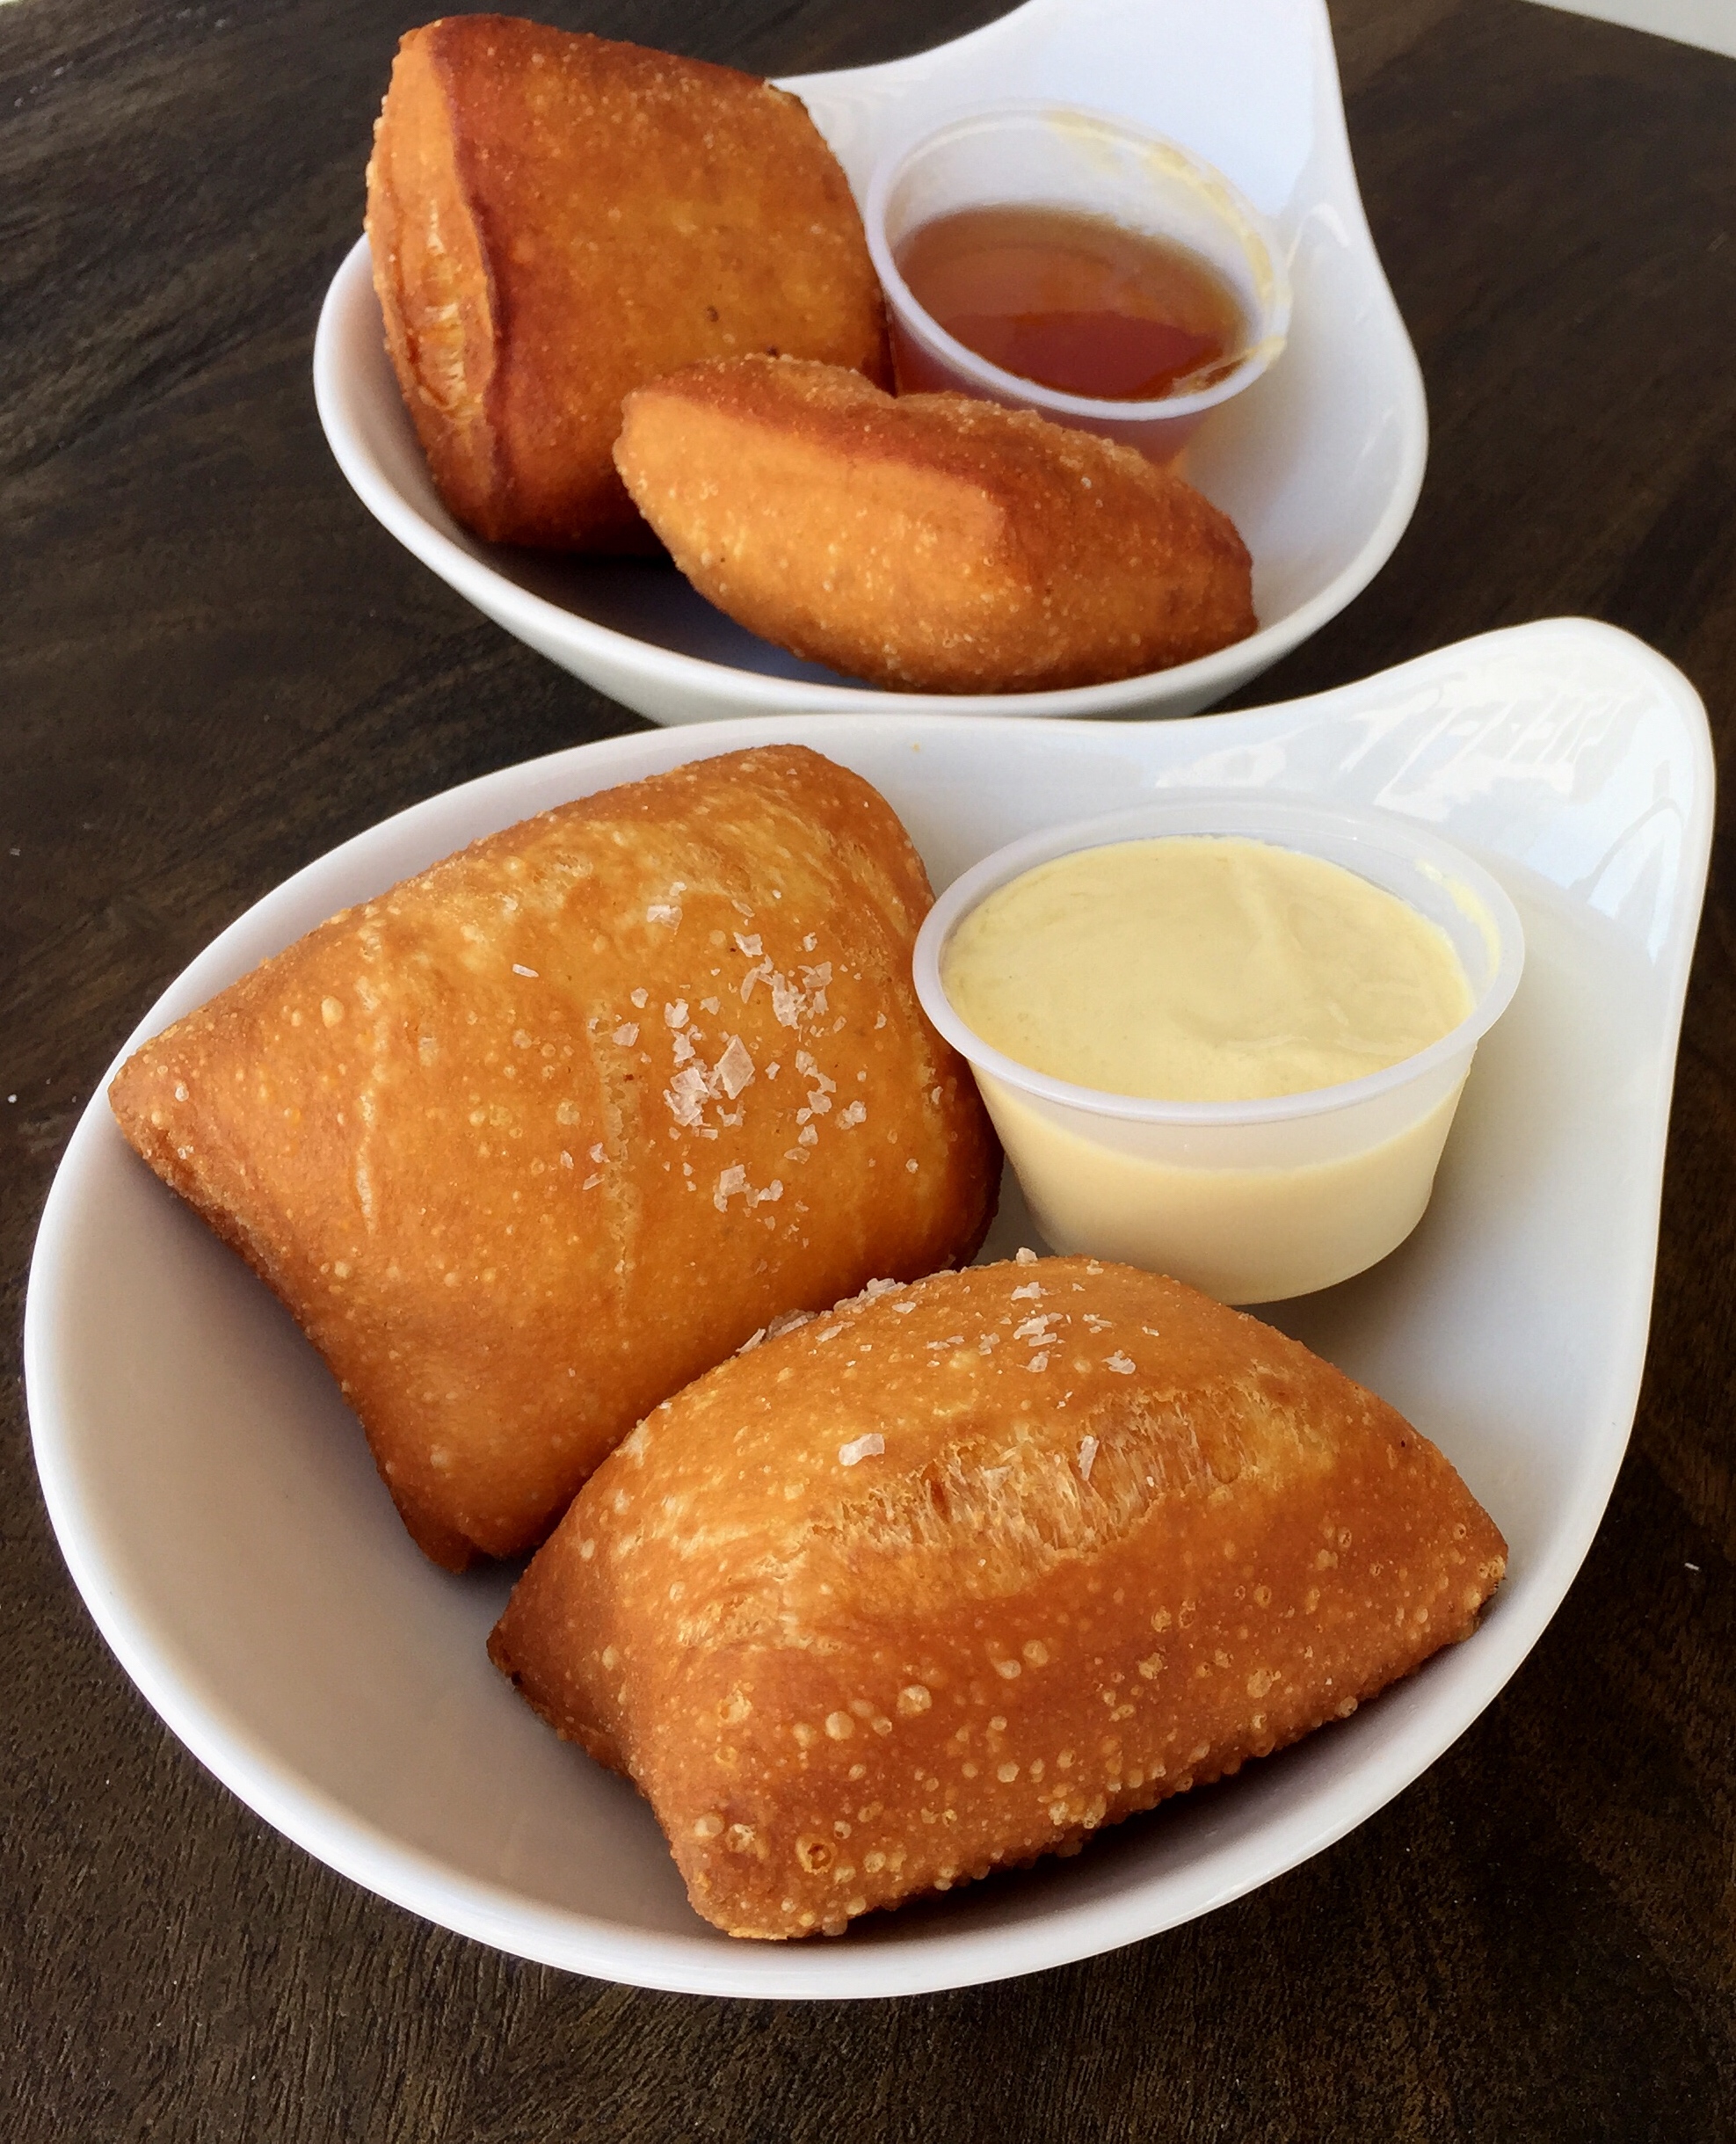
[[928, 542], [952, 1575], [535, 1138], [557, 218]]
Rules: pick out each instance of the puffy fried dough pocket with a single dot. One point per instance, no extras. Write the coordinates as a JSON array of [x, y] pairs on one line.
[[533, 1139], [957, 1573], [555, 219], [930, 542]]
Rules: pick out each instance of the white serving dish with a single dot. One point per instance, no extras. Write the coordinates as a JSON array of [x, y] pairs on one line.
[[219, 1512], [1318, 463]]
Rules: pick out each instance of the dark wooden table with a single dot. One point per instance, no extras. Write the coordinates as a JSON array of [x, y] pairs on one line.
[[214, 666]]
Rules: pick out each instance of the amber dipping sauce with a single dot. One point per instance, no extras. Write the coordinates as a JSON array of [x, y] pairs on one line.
[[1075, 302]]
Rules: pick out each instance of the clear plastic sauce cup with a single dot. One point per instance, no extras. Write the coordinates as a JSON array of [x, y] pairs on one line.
[[1049, 156], [1250, 1200]]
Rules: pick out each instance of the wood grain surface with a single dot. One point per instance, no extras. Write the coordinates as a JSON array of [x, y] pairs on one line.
[[214, 666]]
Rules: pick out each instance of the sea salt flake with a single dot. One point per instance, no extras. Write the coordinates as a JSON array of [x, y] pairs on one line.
[[1038, 1362], [665, 911], [1024, 1256], [530, 973], [729, 1181], [735, 1067], [750, 948], [1028, 1293], [1087, 1457], [1123, 1365], [676, 1015], [597, 1151], [686, 1095], [639, 998], [627, 1034], [788, 1002], [868, 1447]]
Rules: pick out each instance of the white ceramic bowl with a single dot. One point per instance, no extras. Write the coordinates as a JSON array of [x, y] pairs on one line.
[[1252, 1201], [1036, 154], [1318, 463], [219, 1512]]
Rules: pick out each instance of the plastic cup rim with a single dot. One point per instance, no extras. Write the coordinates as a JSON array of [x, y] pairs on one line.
[[1391, 835], [916, 318]]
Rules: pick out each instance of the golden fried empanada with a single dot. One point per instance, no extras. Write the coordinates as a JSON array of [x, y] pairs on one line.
[[930, 543], [533, 1139], [956, 1574], [556, 218]]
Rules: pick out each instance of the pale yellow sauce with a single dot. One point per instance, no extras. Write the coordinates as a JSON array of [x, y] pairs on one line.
[[1202, 967], [1245, 1235]]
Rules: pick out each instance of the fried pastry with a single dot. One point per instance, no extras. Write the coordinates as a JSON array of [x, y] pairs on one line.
[[930, 543], [556, 218], [957, 1573], [533, 1139]]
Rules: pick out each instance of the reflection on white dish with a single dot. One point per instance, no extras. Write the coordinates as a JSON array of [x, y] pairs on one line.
[[218, 1510], [1318, 463], [1709, 23]]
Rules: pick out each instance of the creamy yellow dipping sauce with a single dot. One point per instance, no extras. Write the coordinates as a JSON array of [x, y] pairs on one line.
[[1202, 967]]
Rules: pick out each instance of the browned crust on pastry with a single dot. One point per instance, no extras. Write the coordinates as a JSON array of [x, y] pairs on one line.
[[490, 1139], [557, 218], [930, 542], [1116, 1539]]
